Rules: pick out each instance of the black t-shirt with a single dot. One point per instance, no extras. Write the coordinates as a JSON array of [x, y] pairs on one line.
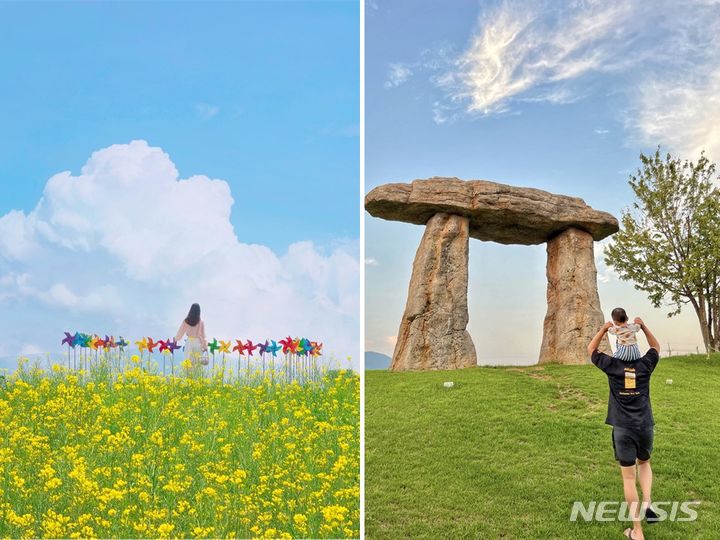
[[629, 400]]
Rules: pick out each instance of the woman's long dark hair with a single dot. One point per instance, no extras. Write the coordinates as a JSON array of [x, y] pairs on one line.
[[193, 316]]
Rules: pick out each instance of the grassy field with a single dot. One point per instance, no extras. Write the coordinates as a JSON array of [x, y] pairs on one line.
[[137, 455], [505, 452]]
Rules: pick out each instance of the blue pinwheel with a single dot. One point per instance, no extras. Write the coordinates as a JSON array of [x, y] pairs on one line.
[[274, 348], [305, 344], [121, 344]]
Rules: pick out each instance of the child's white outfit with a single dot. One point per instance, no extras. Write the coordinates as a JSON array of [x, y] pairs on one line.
[[626, 347]]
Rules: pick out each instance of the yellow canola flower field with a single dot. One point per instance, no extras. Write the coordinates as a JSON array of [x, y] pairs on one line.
[[136, 455]]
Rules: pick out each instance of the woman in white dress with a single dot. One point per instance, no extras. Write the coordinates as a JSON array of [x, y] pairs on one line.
[[194, 328]]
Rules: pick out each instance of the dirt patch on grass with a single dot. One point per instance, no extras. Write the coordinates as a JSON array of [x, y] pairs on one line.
[[573, 398], [534, 372]]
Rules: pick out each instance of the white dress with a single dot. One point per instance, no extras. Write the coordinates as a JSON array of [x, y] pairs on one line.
[[196, 342]]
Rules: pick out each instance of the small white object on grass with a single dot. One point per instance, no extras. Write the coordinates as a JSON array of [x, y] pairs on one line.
[[668, 381], [448, 384]]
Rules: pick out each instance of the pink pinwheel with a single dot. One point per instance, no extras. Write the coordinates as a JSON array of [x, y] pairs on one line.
[[249, 347]]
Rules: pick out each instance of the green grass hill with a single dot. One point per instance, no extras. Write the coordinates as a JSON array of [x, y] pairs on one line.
[[506, 451]]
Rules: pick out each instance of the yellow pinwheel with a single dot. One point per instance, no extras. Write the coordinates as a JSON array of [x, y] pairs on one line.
[[224, 346], [142, 345]]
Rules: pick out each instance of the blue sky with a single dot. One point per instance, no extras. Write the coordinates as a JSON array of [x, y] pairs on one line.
[[250, 92], [558, 96], [240, 191]]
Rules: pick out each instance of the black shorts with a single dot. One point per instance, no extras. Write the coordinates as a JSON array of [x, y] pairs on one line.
[[631, 445]]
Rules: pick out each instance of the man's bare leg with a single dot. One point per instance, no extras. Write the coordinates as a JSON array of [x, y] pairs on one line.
[[645, 476], [631, 497]]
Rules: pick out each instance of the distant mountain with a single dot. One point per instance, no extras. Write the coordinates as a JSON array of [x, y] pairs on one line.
[[376, 360]]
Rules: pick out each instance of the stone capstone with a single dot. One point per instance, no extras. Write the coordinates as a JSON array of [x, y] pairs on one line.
[[496, 212]]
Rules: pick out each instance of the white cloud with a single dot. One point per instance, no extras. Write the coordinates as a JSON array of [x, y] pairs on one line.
[[31, 349], [369, 261], [674, 101], [605, 274], [518, 49], [660, 61], [129, 245], [206, 111], [682, 117], [601, 131], [398, 73]]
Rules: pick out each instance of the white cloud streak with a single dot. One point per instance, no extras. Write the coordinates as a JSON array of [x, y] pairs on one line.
[[661, 60], [518, 49], [206, 111], [397, 74]]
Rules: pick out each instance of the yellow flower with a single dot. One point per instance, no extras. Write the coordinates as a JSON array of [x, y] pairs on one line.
[[165, 529]]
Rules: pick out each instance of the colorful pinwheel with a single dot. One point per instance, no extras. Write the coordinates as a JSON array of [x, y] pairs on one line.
[[163, 349], [213, 346], [173, 346], [273, 348], [68, 339], [142, 345], [224, 346], [287, 345], [151, 344], [316, 348], [121, 344], [249, 347], [96, 342], [85, 340]]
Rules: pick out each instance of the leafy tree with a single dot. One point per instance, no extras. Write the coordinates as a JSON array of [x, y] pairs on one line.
[[669, 240]]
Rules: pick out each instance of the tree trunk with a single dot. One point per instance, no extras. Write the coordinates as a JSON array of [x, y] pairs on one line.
[[702, 318]]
